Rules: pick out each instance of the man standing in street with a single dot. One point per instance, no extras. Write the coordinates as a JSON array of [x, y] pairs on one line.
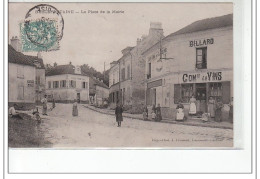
[[118, 113]]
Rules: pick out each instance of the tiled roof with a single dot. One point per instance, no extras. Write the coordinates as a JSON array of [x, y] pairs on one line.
[[99, 83], [61, 69], [205, 24], [201, 25], [20, 58]]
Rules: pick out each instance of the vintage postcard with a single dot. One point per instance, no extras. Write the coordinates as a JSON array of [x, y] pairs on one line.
[[120, 75]]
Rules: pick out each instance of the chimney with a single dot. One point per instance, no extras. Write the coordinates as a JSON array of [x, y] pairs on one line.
[[138, 41], [55, 64], [15, 43], [156, 29], [113, 64], [39, 55]]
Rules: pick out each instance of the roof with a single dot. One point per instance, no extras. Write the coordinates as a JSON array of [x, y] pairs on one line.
[[201, 25], [63, 69], [20, 58], [99, 83], [206, 24]]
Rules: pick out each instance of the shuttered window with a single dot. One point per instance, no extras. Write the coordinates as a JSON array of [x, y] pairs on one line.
[[56, 84], [72, 83]]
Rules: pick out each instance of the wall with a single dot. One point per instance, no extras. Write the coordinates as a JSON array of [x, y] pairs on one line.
[[29, 73], [102, 92], [114, 75], [68, 94], [138, 66], [219, 54]]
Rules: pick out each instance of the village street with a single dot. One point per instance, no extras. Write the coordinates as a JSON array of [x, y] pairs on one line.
[[92, 129]]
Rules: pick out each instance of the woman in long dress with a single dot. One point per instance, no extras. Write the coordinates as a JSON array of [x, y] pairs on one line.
[[218, 112], [211, 107], [44, 105], [193, 109], [158, 113], [119, 114], [75, 108], [145, 113], [180, 114]]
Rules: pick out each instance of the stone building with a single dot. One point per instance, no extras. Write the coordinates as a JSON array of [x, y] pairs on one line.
[[127, 75], [196, 60], [98, 92], [66, 83], [21, 79], [40, 69]]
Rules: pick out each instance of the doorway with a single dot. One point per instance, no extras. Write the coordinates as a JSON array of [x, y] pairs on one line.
[[78, 97], [201, 96], [154, 96]]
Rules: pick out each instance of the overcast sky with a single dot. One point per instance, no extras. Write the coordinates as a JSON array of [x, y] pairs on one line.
[[97, 38]]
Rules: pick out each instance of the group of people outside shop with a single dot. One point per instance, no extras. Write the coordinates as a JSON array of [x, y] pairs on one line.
[[156, 113], [214, 109]]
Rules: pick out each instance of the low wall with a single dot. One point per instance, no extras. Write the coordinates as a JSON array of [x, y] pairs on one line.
[[22, 106]]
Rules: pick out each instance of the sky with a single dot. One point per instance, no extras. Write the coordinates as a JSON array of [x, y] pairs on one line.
[[95, 38]]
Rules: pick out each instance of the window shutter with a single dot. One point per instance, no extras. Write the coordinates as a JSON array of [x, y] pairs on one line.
[[177, 93], [226, 92]]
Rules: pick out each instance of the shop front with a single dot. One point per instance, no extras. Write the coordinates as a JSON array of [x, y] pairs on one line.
[[169, 90]]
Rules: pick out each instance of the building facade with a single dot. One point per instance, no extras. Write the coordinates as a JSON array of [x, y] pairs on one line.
[[126, 75], [98, 92], [196, 60], [21, 79], [66, 83]]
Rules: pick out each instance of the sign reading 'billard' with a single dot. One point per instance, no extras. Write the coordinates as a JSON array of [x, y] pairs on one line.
[[201, 42]]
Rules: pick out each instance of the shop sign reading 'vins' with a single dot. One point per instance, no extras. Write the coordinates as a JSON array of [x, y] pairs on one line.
[[201, 42], [202, 77]]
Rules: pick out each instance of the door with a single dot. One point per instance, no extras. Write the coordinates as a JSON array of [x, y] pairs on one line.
[[201, 96], [154, 96], [78, 97]]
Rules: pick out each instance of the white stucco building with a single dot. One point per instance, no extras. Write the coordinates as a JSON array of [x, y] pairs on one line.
[[196, 60], [21, 79], [66, 83]]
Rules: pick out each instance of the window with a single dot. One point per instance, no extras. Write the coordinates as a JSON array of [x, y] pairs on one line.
[[63, 83], [20, 72], [201, 58], [183, 92], [56, 84], [85, 85], [186, 92], [149, 70], [215, 90], [128, 72], [37, 80], [49, 84], [123, 74], [113, 78], [72, 83], [20, 93]]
